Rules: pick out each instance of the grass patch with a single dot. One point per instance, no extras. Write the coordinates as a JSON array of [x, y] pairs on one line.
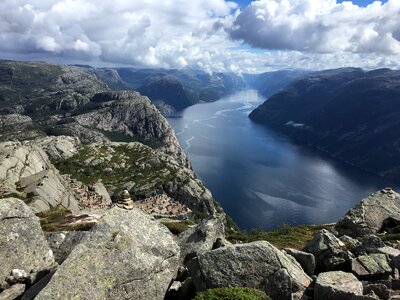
[[178, 227], [232, 293], [51, 221], [285, 237], [390, 237], [13, 195]]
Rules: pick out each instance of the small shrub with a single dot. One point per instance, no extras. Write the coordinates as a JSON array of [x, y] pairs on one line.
[[232, 294]]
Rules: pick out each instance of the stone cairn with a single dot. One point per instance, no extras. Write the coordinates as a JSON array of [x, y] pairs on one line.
[[125, 202]]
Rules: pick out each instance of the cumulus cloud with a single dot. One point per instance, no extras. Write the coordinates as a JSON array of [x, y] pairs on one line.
[[205, 34], [322, 26], [175, 33]]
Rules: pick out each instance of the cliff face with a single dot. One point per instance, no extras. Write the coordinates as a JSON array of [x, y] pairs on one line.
[[348, 113]]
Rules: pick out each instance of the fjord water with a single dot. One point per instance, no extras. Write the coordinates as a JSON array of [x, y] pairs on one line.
[[260, 177]]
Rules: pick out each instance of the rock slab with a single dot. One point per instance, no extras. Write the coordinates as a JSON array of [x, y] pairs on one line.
[[22, 242], [337, 285], [127, 255], [256, 265]]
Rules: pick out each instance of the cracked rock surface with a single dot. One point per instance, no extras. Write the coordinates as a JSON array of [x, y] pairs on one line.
[[127, 255]]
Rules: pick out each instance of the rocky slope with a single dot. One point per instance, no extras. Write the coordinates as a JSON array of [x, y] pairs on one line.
[[351, 114]]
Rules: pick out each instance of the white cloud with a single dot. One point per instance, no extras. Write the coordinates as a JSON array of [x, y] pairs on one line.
[[322, 26], [168, 33], [197, 33]]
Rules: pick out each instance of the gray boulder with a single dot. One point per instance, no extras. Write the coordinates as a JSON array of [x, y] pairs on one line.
[[22, 243], [127, 255], [373, 265], [257, 265], [62, 243], [330, 253], [372, 214], [201, 238], [305, 259], [337, 285]]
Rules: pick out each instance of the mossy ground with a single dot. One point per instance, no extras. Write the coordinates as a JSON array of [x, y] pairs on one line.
[[285, 237], [232, 293], [119, 164]]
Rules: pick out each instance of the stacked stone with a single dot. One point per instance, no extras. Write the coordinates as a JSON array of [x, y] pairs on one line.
[[126, 202]]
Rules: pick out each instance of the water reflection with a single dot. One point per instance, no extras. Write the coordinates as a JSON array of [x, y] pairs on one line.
[[260, 177]]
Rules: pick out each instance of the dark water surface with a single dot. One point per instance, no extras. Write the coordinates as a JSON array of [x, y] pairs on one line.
[[260, 177]]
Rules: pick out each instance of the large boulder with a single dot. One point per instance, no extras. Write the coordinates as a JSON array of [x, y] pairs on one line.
[[305, 259], [330, 253], [201, 238], [22, 242], [372, 214], [256, 265], [127, 255], [337, 285], [371, 266]]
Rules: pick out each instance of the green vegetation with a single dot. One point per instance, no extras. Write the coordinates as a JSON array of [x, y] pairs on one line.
[[233, 293], [53, 221], [178, 227], [116, 165], [285, 237], [12, 195]]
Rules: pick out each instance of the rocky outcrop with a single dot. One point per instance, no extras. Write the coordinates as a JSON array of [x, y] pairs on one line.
[[46, 190], [201, 238], [142, 171], [127, 255], [378, 212], [257, 265], [337, 285], [36, 87], [16, 127], [330, 253], [135, 116], [23, 245], [26, 170], [59, 147]]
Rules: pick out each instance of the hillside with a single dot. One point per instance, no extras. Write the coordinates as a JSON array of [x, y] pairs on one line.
[[269, 83], [177, 89], [351, 114]]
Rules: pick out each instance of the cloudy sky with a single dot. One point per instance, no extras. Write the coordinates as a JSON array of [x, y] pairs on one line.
[[215, 35]]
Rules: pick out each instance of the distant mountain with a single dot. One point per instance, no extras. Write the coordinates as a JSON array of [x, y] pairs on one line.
[[176, 88], [269, 83], [351, 114]]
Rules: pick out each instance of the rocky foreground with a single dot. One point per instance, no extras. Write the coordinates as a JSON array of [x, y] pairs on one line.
[[63, 236]]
